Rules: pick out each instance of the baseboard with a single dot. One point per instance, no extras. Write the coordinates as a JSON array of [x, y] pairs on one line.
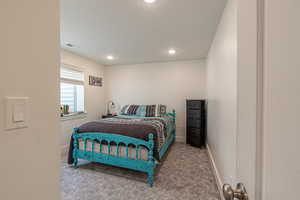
[[216, 172], [180, 139], [180, 134]]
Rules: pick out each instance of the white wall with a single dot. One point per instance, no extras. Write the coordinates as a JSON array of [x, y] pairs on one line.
[[281, 100], [169, 83], [29, 67], [94, 96], [249, 95], [222, 94]]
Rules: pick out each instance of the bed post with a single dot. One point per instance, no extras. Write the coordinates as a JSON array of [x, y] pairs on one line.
[[174, 120], [174, 115], [151, 160], [76, 146]]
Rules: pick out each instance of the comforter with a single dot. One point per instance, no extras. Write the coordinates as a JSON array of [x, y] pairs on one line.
[[137, 127]]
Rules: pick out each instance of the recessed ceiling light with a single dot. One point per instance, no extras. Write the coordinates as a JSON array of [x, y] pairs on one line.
[[109, 57], [69, 45], [172, 51], [149, 1]]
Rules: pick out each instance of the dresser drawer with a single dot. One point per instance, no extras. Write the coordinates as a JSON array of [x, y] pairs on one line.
[[192, 134], [193, 113], [193, 123], [194, 104], [193, 131], [196, 139]]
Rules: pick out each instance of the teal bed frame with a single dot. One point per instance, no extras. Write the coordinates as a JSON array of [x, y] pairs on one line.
[[147, 166]]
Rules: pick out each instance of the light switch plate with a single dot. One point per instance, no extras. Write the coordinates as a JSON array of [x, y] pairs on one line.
[[16, 112]]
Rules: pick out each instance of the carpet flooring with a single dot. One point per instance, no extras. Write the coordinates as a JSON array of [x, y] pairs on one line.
[[185, 174]]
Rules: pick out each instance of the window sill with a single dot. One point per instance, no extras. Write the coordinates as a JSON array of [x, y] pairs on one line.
[[73, 116]]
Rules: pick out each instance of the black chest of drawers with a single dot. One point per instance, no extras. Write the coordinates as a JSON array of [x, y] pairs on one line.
[[196, 122]]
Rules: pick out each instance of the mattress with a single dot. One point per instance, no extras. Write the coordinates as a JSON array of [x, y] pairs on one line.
[[142, 153]]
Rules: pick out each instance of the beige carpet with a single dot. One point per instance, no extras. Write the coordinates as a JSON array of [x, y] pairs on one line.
[[185, 174]]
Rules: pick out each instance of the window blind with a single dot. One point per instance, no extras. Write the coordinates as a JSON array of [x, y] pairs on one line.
[[72, 89], [71, 74]]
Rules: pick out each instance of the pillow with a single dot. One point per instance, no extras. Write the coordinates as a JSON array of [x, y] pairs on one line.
[[162, 110], [129, 110], [124, 109], [157, 110], [151, 111], [132, 109], [141, 111]]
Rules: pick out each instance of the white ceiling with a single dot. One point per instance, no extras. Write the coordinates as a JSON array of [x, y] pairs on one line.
[[135, 32]]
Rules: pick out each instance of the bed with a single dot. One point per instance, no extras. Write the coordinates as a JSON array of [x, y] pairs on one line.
[[133, 142]]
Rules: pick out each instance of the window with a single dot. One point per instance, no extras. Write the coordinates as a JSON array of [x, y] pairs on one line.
[[72, 89]]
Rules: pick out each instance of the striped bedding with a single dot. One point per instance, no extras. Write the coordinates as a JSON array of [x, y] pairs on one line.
[[132, 126], [157, 110]]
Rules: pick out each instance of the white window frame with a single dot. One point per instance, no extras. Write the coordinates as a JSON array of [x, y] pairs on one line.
[[75, 82]]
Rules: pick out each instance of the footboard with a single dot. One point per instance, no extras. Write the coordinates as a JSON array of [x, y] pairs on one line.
[[147, 166]]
